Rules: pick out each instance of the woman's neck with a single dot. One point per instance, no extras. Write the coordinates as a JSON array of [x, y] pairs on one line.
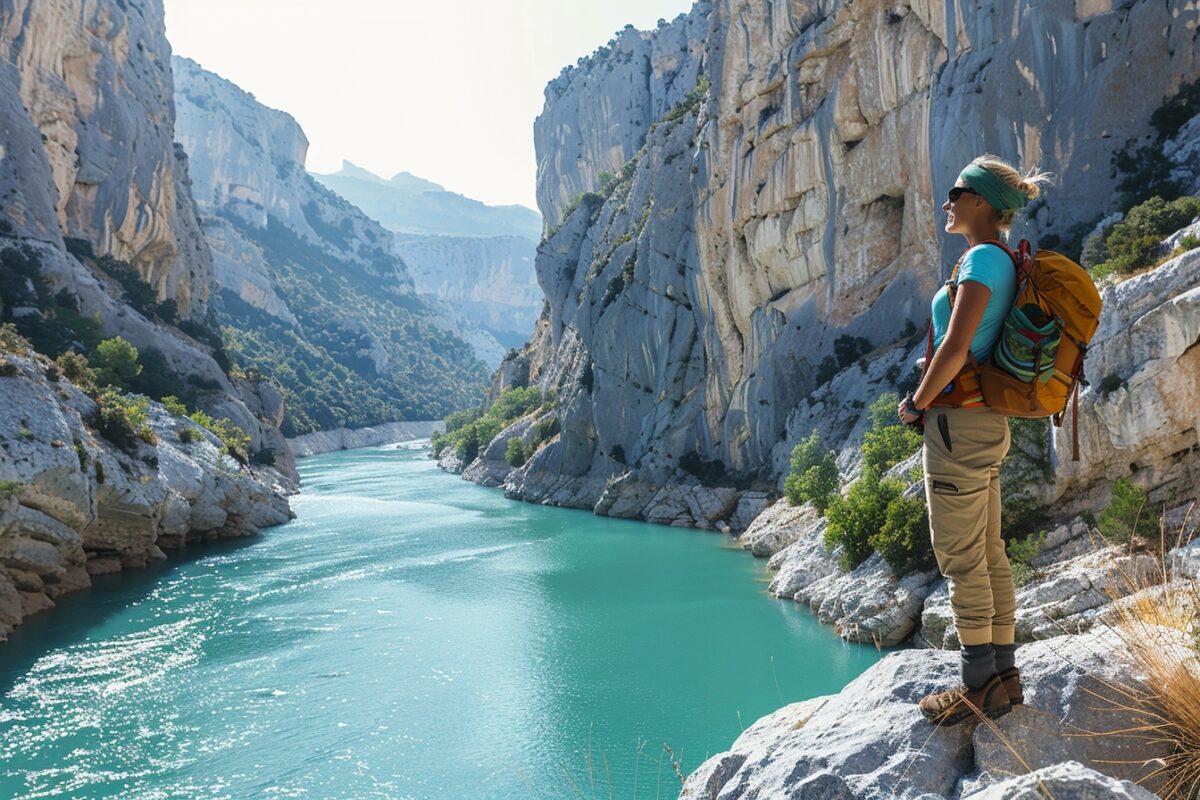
[[978, 237]]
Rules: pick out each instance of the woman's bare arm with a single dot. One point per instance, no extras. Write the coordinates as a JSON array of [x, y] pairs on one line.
[[969, 304]]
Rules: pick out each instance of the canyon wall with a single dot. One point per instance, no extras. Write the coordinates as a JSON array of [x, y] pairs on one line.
[[99, 237], [743, 211]]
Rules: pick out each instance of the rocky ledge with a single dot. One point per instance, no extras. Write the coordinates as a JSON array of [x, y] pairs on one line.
[[73, 504], [1079, 734], [311, 444]]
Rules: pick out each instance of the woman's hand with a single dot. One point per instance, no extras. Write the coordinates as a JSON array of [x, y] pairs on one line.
[[905, 412]]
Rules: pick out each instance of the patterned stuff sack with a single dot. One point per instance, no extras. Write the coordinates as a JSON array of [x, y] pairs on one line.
[[1037, 364]]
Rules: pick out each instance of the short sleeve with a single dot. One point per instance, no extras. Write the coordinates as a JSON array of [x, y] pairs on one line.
[[989, 265]]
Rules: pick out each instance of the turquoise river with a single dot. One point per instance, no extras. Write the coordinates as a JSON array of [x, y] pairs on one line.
[[408, 635]]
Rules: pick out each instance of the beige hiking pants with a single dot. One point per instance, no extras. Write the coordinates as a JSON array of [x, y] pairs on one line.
[[962, 455]]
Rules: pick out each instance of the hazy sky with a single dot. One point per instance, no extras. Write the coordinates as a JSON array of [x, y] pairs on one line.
[[446, 90]]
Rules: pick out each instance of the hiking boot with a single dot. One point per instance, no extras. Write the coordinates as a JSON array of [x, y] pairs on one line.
[[954, 705], [1011, 678]]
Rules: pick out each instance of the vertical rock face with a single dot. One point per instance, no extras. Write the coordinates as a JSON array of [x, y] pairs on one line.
[[93, 81], [91, 182], [489, 279], [797, 195]]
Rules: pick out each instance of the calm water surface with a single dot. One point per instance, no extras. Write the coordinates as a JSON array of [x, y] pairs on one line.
[[408, 635]]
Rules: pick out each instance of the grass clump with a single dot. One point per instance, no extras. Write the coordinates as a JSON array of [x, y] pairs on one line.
[[812, 476], [1126, 517], [1021, 552]]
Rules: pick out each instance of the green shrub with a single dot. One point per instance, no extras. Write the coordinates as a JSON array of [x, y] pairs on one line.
[[77, 370], [124, 417], [461, 418], [1021, 552], [115, 362], [470, 431], [9, 487], [812, 476], [12, 341], [25, 433], [1127, 514], [1189, 243], [514, 453], [904, 540], [855, 518], [888, 442], [188, 435], [1131, 243], [235, 440], [175, 406]]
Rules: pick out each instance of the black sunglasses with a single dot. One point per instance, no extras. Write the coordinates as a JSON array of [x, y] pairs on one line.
[[958, 191]]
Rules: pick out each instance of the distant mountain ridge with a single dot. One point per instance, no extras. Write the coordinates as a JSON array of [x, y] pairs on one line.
[[406, 203], [311, 291]]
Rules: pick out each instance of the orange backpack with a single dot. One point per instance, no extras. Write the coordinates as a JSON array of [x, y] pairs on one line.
[[1036, 365]]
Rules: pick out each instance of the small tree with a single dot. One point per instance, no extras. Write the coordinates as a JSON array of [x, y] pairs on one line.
[[812, 476], [514, 452], [115, 362]]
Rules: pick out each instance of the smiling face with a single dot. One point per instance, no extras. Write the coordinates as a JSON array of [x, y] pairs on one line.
[[966, 211]]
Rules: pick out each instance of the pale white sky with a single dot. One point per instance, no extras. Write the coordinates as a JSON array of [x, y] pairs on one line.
[[446, 90]]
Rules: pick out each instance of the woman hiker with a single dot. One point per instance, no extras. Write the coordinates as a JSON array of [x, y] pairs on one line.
[[965, 442]]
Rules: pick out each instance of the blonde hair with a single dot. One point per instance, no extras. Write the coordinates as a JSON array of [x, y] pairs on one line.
[[1029, 184]]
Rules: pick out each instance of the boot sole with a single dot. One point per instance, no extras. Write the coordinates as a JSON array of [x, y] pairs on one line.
[[954, 719]]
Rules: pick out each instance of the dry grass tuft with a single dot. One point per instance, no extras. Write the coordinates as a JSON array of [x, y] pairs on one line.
[[1157, 619]]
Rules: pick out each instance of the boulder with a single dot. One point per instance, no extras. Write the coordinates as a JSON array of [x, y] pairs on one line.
[[870, 740]]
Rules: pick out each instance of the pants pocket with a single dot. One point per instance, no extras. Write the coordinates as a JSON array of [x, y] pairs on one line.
[[943, 425]]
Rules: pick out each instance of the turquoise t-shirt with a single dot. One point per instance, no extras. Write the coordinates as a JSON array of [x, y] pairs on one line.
[[991, 266]]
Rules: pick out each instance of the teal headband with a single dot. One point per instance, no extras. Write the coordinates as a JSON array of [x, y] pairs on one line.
[[999, 194]]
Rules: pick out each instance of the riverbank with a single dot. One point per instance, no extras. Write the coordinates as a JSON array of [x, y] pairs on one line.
[[311, 444], [75, 503]]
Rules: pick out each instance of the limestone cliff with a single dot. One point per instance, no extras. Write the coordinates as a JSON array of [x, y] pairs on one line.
[[489, 279], [744, 196], [297, 263], [99, 237], [89, 151]]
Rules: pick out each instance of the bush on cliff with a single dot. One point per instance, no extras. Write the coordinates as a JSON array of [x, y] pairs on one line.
[[855, 518], [235, 440], [812, 476], [514, 454], [904, 540], [115, 362], [1130, 244], [123, 418], [470, 431], [874, 515], [888, 442], [1128, 514]]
